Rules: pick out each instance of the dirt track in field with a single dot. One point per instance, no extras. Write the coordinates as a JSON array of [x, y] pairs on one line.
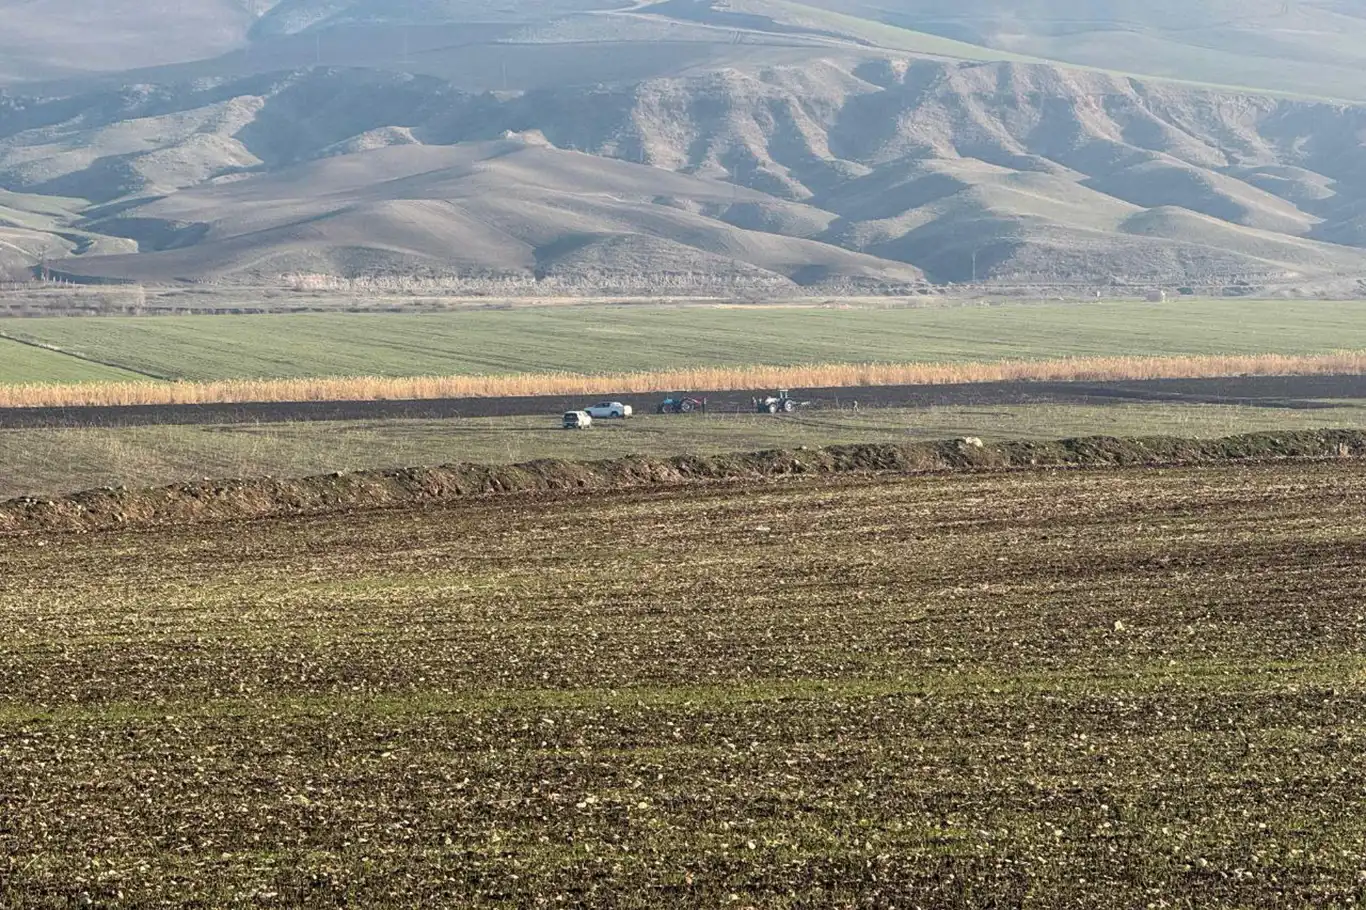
[[1258, 391]]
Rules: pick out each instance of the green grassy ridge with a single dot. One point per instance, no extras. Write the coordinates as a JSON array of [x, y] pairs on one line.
[[896, 37], [597, 339]]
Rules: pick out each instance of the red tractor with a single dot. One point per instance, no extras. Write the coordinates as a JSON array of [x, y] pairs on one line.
[[681, 404]]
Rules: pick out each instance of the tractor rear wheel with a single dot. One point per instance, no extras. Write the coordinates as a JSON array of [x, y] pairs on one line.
[[788, 406]]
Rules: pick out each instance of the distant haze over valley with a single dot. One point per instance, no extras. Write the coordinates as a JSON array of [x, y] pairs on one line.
[[729, 146]]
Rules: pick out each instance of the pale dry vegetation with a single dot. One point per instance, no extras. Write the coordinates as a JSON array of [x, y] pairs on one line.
[[376, 388]]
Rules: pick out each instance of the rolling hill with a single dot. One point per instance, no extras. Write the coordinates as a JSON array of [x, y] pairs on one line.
[[47, 39], [1310, 47], [509, 208]]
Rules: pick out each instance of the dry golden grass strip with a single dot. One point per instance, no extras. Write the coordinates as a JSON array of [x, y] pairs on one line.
[[699, 379]]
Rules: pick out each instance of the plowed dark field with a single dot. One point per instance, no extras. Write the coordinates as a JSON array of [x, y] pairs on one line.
[[1085, 688], [1260, 391]]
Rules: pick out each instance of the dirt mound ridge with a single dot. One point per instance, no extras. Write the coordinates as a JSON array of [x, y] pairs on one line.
[[229, 500]]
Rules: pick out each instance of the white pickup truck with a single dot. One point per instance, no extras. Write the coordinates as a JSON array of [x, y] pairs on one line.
[[609, 410]]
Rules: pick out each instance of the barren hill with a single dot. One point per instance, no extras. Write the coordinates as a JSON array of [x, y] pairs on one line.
[[819, 174], [508, 208], [757, 143]]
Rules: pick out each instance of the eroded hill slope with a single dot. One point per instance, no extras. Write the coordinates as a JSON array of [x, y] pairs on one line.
[[871, 171]]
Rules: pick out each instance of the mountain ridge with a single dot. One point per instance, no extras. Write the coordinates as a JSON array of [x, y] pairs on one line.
[[814, 157]]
